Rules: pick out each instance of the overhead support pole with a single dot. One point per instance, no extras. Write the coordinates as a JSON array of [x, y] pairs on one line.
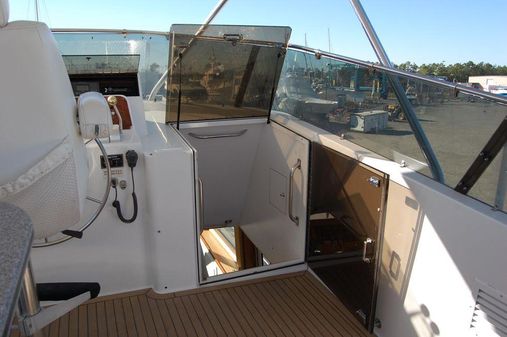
[[416, 127], [37, 10], [214, 12]]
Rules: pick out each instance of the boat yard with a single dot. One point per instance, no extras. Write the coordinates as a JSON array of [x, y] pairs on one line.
[[220, 180]]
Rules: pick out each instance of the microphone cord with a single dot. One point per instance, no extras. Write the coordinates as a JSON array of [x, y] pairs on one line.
[[116, 203]]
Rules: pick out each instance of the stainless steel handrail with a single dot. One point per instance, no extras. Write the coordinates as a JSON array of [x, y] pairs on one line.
[[99, 209], [398, 72], [220, 135], [293, 169], [201, 204], [115, 31]]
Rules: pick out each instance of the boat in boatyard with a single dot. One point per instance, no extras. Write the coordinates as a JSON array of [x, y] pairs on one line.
[[195, 194]]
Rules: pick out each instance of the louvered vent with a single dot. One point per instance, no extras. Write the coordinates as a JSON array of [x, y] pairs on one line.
[[490, 314]]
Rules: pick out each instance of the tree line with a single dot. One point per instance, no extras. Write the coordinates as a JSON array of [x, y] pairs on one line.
[[457, 72]]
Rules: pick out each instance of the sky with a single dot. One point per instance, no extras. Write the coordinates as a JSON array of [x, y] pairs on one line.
[[420, 31]]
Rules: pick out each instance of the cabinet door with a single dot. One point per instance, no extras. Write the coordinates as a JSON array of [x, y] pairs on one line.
[[275, 213], [345, 226]]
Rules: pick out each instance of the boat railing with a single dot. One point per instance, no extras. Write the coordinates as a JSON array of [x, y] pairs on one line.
[[398, 72], [113, 31]]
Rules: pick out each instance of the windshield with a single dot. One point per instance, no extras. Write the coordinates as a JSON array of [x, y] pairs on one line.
[[144, 54]]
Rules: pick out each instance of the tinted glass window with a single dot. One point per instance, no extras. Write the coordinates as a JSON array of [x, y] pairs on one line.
[[223, 71], [219, 80], [359, 104]]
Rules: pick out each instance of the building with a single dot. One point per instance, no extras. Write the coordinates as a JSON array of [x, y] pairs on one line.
[[489, 83]]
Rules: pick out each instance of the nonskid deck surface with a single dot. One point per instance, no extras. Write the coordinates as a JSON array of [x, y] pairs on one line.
[[287, 305]]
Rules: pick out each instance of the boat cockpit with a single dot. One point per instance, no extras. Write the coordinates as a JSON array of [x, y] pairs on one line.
[[216, 156]]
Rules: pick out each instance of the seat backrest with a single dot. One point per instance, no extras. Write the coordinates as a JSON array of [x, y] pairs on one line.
[[43, 167]]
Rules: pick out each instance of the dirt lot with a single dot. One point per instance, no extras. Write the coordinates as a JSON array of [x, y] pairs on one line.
[[457, 131]]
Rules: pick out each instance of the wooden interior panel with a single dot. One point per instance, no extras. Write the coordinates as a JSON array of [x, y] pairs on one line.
[[246, 250]]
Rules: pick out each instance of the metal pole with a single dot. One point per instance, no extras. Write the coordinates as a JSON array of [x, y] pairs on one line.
[[419, 134], [28, 303], [37, 10], [370, 33], [328, 39], [501, 190], [214, 12]]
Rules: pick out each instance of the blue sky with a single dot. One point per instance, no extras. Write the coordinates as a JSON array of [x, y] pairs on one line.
[[420, 31]]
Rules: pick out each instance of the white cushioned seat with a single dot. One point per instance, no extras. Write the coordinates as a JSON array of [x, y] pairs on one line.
[[42, 156]]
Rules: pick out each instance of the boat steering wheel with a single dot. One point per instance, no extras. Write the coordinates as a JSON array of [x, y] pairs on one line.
[[69, 234]]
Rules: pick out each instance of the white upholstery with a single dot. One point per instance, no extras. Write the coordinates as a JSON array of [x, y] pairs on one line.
[[38, 115], [4, 12], [94, 116]]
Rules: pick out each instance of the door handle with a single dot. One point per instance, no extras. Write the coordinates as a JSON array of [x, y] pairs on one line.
[[201, 204], [366, 243], [293, 169], [221, 135]]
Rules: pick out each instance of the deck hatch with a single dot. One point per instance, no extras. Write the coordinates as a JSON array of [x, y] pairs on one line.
[[490, 314]]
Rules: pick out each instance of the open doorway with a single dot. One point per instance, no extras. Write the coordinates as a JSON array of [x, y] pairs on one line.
[[227, 250]]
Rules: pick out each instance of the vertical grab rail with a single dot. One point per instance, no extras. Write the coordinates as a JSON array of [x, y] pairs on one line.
[[201, 204], [293, 169]]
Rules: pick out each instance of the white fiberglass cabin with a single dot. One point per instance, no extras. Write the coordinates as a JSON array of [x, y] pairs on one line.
[[252, 188]]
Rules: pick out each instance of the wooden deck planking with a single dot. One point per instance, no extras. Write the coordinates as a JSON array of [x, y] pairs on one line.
[[290, 305]]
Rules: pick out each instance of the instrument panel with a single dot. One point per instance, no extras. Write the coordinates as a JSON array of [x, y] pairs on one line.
[[107, 84]]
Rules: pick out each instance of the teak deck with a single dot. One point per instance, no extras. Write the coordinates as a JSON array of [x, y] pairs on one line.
[[286, 305]]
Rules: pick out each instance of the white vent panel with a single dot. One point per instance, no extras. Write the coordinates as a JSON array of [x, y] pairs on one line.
[[490, 314]]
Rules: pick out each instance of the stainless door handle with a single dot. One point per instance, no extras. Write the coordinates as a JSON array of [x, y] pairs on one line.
[[220, 135], [293, 169], [201, 204], [366, 242]]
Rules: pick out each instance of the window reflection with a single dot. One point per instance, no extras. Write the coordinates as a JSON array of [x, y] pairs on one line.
[[220, 79], [359, 104]]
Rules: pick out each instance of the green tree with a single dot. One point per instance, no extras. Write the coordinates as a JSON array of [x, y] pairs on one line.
[[457, 72]]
